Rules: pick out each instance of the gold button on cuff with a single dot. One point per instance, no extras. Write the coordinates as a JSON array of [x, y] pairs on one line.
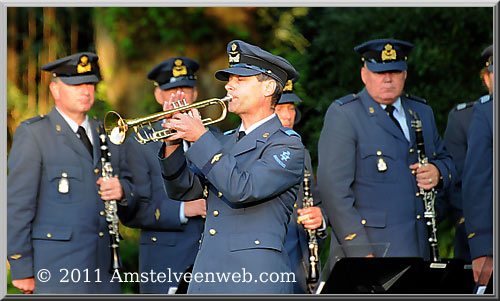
[[379, 153], [363, 221], [101, 213], [257, 242], [216, 212], [101, 234], [49, 235], [153, 239], [212, 232], [96, 171], [419, 217]]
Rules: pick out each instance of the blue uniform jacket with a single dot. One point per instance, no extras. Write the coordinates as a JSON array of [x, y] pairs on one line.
[[372, 209], [478, 180], [253, 185], [165, 243], [450, 201], [51, 230]]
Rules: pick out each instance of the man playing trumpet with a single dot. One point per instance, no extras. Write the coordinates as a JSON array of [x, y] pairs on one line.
[[250, 178]]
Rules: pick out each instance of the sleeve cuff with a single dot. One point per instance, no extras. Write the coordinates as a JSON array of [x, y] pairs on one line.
[[182, 217]]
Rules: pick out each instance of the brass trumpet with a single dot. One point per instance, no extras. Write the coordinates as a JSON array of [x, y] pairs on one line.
[[116, 127]]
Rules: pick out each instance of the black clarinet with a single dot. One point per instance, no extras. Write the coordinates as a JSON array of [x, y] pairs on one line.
[[428, 196], [312, 241], [110, 206]]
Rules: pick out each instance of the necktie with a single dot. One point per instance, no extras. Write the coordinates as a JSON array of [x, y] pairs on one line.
[[241, 134], [390, 109], [85, 140]]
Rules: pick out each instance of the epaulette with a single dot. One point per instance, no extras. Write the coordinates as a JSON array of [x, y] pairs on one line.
[[464, 105], [290, 132], [346, 99], [34, 119], [229, 132], [413, 97], [485, 98]]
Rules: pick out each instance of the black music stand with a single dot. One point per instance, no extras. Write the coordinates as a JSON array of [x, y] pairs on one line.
[[392, 275]]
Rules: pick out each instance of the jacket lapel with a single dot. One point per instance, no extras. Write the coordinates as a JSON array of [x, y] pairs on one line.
[[409, 110], [66, 133], [96, 141], [250, 141], [380, 116]]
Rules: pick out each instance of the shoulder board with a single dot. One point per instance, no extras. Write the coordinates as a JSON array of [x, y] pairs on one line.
[[413, 97], [229, 132], [34, 119], [290, 132], [464, 105], [485, 99], [346, 99]]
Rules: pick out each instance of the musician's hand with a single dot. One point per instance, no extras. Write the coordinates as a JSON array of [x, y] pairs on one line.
[[110, 189], [427, 175], [195, 208], [26, 285], [189, 127], [481, 264], [310, 217]]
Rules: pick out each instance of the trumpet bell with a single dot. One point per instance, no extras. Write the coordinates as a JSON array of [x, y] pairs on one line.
[[115, 127]]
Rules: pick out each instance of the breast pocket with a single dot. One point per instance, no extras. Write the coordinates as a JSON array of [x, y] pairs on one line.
[[66, 183], [377, 162], [247, 241]]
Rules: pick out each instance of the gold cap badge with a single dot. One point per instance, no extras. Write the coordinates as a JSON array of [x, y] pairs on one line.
[[84, 65], [388, 53], [288, 86], [234, 54], [179, 68]]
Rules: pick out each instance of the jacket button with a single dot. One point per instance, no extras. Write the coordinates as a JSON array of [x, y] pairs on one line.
[[379, 153], [199, 241], [295, 205], [411, 150], [363, 221], [131, 194], [220, 194], [153, 239], [101, 213], [96, 171], [101, 234], [417, 194], [216, 212], [419, 217], [212, 232], [49, 235], [257, 242]]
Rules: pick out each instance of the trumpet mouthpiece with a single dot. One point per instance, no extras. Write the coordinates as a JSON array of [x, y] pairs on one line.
[[227, 98]]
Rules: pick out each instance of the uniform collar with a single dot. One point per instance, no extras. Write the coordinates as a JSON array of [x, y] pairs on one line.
[[74, 126], [256, 125]]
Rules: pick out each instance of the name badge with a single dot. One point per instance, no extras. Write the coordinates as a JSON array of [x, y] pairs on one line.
[[381, 165], [64, 183]]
